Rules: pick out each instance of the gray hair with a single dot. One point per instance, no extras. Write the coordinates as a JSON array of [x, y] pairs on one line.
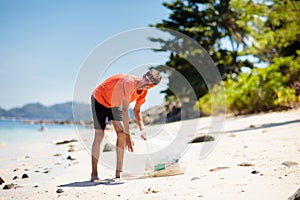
[[154, 76]]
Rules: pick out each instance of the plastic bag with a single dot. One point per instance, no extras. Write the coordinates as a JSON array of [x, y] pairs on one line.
[[162, 158]]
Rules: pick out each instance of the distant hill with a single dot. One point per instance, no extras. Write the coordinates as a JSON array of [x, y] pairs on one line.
[[82, 112], [62, 111], [2, 112]]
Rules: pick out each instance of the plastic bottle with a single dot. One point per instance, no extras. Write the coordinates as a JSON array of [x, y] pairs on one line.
[[148, 165]]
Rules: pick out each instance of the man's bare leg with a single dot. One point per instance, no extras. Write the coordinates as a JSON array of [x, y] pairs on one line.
[[121, 141], [99, 135]]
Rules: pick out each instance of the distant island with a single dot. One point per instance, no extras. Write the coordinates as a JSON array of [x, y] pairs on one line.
[[56, 112], [63, 113]]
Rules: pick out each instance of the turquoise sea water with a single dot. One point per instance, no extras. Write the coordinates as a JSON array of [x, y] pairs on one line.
[[14, 131]]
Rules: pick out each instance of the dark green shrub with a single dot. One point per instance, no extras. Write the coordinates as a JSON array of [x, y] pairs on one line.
[[262, 89]]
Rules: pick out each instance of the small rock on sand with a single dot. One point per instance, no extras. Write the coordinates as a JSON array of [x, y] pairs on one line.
[[71, 149], [195, 178], [25, 176], [70, 158], [289, 163], [245, 164], [255, 172], [218, 169], [1, 181], [59, 190], [108, 147], [295, 196], [151, 190], [8, 186]]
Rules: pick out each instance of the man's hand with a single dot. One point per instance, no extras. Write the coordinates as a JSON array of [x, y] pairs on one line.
[[143, 135], [129, 143]]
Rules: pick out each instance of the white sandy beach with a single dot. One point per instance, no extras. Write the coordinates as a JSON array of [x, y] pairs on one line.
[[263, 141]]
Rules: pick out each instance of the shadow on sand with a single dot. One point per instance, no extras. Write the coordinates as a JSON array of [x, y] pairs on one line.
[[269, 125], [108, 182]]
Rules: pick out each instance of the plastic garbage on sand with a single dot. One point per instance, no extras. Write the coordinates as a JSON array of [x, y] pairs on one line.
[[163, 157], [165, 169], [167, 165]]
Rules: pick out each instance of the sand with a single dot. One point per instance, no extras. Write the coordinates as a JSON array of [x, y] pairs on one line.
[[255, 157]]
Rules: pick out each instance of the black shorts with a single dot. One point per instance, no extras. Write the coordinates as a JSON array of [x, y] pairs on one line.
[[101, 113]]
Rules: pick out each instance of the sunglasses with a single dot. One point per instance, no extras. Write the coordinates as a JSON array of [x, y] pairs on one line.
[[151, 85]]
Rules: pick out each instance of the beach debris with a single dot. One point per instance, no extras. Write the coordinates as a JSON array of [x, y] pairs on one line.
[[245, 164], [289, 163], [108, 147], [252, 126], [8, 186], [56, 155], [25, 176], [70, 158], [71, 149], [195, 178], [1, 181], [151, 190], [205, 138], [66, 142], [218, 169], [295, 196], [255, 172], [59, 190], [15, 177], [173, 170]]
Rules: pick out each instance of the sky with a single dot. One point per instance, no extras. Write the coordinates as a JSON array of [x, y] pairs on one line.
[[43, 44]]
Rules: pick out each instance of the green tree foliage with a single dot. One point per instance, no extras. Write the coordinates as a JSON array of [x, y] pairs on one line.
[[208, 22], [273, 28], [262, 89]]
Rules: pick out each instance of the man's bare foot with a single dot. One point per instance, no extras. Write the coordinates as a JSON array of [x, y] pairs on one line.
[[95, 179]]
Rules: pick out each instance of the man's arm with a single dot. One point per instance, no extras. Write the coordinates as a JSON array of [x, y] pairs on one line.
[[138, 116], [125, 117]]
